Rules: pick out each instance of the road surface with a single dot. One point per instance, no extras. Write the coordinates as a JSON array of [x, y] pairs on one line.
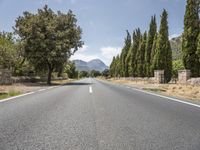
[[95, 115]]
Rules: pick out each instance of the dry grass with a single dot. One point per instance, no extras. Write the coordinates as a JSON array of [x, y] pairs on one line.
[[177, 90], [21, 88]]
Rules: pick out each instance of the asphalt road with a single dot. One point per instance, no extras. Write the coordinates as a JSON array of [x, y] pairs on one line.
[[95, 115]]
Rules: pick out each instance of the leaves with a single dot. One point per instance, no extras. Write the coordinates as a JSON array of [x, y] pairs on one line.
[[49, 38]]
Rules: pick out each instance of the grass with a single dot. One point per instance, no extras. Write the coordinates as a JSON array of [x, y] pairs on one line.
[[8, 94], [154, 89]]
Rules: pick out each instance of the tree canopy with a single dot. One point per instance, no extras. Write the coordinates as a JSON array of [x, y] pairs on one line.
[[49, 38]]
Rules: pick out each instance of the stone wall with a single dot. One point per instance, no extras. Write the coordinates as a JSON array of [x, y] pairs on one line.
[[5, 76]]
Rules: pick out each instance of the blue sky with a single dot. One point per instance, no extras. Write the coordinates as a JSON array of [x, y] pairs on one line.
[[104, 22]]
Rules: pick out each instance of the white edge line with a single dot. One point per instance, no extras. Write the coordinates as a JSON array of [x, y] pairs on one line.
[[41, 90], [162, 96], [21, 95], [170, 98], [10, 98]]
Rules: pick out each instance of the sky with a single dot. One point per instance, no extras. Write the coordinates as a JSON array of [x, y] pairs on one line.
[[104, 22]]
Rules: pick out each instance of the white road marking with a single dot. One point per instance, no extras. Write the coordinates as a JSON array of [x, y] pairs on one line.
[[170, 98], [41, 90], [10, 98], [90, 89], [162, 96]]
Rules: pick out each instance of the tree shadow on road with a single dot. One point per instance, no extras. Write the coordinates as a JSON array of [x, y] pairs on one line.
[[77, 84]]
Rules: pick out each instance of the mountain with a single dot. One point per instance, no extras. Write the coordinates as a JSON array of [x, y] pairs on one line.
[[95, 64], [176, 44]]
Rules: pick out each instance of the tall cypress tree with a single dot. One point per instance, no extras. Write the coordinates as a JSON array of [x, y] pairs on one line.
[[153, 52], [117, 66], [141, 57], [151, 35], [190, 34], [198, 47], [127, 45], [112, 68], [163, 55], [133, 52]]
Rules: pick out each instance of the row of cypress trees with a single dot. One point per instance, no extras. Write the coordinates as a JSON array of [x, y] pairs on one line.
[[191, 38], [145, 52]]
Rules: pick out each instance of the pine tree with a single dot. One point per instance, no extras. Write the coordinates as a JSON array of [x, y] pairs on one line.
[[190, 35], [151, 35], [127, 45], [141, 57], [163, 55]]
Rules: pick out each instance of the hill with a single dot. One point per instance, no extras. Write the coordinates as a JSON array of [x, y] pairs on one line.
[[176, 44], [95, 64]]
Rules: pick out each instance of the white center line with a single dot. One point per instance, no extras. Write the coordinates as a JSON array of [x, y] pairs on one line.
[[90, 89]]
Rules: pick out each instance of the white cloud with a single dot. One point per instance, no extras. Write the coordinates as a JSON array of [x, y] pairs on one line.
[[109, 52], [81, 54]]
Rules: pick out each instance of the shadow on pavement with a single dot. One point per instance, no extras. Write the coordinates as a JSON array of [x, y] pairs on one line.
[[77, 84]]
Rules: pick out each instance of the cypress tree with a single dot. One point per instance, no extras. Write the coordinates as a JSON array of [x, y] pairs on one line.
[[153, 52], [127, 45], [112, 68], [117, 66], [151, 35], [198, 47], [163, 55], [190, 35], [133, 54], [141, 57]]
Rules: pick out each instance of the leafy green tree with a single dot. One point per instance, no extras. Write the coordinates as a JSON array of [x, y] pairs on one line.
[[149, 45], [83, 74], [71, 70], [7, 50], [163, 55], [141, 57], [124, 53], [176, 66], [49, 38], [190, 34], [105, 73], [95, 73]]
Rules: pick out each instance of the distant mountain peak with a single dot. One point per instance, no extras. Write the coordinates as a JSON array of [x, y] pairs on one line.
[[94, 64]]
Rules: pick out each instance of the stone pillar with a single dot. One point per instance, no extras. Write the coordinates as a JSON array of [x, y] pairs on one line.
[[183, 76], [159, 76]]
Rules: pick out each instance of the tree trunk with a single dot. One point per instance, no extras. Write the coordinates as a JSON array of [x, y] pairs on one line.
[[49, 75], [60, 71]]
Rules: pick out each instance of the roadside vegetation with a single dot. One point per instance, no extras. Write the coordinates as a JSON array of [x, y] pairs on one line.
[[148, 51], [153, 50], [41, 44]]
